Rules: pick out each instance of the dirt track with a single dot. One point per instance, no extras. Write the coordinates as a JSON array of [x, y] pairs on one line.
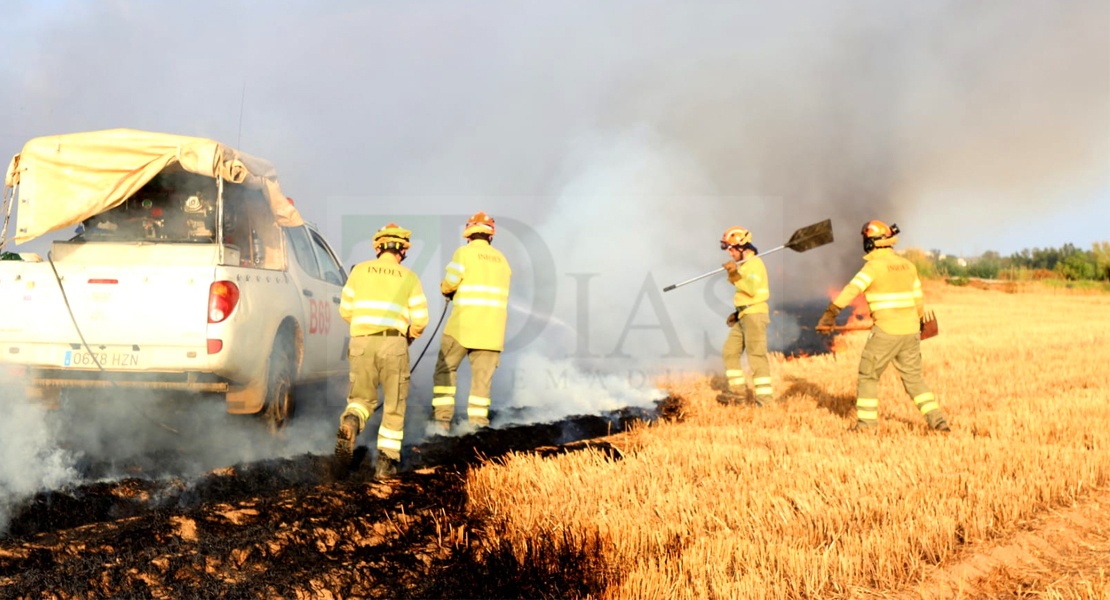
[[292, 528]]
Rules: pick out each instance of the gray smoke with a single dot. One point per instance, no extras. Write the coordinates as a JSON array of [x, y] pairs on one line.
[[32, 459], [104, 436], [626, 136]]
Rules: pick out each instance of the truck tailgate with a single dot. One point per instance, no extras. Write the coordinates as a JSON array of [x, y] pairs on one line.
[[121, 309]]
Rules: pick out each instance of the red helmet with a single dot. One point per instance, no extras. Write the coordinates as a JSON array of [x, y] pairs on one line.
[[735, 236], [479, 223]]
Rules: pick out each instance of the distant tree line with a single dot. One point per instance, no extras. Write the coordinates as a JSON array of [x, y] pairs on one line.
[[1066, 262]]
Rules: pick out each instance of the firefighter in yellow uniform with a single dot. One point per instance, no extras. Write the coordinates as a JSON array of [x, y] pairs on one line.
[[387, 310], [893, 292], [748, 323], [477, 281]]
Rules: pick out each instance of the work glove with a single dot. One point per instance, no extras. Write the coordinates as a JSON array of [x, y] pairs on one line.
[[732, 319], [450, 297], [730, 266], [828, 320]]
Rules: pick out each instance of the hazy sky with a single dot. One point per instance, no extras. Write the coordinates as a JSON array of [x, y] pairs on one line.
[[975, 126], [614, 142]]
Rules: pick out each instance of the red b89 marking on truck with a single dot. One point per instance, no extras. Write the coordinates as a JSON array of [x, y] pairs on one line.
[[319, 317]]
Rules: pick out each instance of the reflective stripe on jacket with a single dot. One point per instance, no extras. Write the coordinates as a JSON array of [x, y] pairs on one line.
[[381, 294], [892, 289], [752, 288], [478, 274]]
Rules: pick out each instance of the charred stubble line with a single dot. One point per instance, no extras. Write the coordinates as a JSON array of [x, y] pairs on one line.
[[100, 502], [282, 515]]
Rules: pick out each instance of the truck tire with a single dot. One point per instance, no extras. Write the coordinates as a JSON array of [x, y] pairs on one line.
[[280, 401]]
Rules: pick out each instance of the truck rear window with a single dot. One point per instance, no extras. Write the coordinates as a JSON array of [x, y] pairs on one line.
[[175, 206]]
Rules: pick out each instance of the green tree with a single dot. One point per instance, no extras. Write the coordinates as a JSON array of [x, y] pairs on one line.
[[921, 260], [1101, 252], [950, 267], [1076, 266], [986, 266]]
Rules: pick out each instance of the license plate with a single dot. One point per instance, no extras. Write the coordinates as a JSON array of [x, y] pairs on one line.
[[107, 359]]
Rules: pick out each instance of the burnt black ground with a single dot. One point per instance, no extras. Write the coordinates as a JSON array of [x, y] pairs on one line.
[[298, 528]]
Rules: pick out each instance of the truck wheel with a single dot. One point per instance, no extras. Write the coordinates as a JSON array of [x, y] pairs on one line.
[[280, 404]]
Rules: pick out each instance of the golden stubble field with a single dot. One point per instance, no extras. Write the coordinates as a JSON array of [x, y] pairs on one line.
[[742, 502]]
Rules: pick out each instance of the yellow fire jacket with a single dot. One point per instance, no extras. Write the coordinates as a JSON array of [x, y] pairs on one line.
[[892, 289], [479, 276], [381, 294], [752, 289]]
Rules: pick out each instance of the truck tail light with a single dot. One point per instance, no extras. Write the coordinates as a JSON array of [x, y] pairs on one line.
[[222, 298]]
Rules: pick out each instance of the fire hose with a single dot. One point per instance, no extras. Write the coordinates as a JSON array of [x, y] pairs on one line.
[[432, 337]]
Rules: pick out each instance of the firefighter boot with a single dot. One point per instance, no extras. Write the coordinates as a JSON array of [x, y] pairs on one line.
[[937, 421], [345, 440], [386, 468], [765, 400], [729, 398]]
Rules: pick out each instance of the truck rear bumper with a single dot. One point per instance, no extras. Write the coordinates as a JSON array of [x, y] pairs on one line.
[[190, 381], [150, 385], [112, 357]]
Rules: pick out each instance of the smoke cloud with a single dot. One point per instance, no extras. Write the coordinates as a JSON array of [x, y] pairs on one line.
[[626, 136], [103, 436], [31, 459]]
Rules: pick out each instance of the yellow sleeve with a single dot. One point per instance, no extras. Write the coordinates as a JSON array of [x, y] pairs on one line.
[[456, 269], [855, 287], [347, 302], [418, 309]]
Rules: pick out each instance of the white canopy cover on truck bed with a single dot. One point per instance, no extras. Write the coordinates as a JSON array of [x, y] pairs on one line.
[[65, 179]]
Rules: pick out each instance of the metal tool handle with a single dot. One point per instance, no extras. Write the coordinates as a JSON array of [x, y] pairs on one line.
[[718, 270], [703, 276], [806, 238]]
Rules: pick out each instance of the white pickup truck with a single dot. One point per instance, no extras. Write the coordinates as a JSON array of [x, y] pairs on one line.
[[188, 281]]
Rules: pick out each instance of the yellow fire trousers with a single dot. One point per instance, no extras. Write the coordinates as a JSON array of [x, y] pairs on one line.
[[749, 334], [378, 360], [482, 365], [904, 351]]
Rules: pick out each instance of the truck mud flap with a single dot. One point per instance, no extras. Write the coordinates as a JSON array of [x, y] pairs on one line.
[[247, 399]]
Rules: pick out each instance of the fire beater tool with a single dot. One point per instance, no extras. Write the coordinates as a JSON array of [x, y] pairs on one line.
[[806, 238], [929, 327], [841, 328]]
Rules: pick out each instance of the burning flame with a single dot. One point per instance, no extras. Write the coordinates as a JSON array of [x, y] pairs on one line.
[[798, 355]]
